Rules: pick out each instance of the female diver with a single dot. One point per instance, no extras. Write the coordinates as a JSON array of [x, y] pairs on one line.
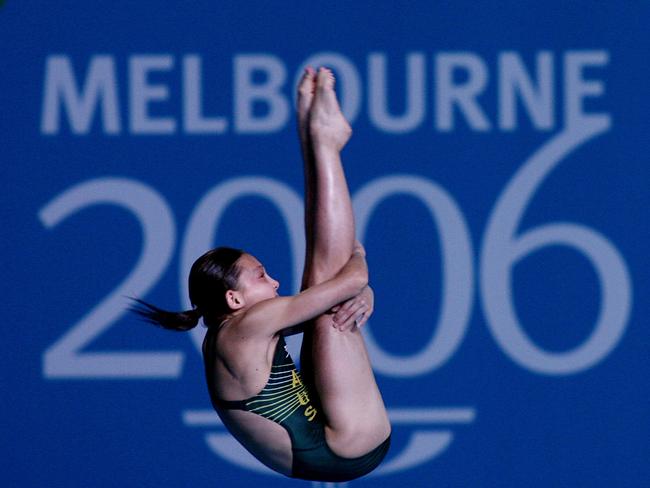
[[327, 422]]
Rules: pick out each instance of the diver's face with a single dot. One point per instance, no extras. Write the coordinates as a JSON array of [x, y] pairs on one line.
[[254, 282]]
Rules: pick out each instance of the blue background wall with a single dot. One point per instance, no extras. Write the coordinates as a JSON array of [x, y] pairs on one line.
[[105, 201]]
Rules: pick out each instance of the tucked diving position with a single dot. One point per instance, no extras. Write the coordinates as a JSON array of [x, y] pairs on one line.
[[326, 422]]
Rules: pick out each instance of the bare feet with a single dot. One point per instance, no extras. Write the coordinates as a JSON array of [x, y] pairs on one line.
[[306, 89], [327, 126]]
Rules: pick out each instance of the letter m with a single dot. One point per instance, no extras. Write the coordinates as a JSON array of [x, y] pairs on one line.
[[61, 91]]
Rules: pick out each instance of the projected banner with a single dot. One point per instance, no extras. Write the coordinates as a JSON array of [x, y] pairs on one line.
[[499, 175]]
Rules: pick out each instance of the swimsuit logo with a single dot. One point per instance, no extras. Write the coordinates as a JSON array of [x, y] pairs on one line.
[[310, 413], [303, 397], [296, 379]]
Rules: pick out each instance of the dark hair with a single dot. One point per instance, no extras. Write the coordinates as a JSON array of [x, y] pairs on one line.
[[211, 276]]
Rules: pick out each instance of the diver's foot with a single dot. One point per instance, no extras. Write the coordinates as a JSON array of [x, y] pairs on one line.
[[328, 127], [306, 89]]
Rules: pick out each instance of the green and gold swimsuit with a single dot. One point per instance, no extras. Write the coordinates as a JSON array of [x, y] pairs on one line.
[[289, 401]]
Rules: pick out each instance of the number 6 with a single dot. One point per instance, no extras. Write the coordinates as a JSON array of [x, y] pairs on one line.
[[502, 249]]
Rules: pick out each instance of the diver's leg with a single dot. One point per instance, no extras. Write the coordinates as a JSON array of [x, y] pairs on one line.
[[329, 221], [350, 400], [306, 89]]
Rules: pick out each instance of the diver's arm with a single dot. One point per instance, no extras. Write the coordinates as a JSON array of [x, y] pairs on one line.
[[278, 314]]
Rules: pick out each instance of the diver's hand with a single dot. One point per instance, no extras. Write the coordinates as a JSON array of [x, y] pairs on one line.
[[355, 311]]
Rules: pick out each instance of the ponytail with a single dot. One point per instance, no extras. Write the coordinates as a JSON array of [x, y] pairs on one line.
[[211, 276], [180, 321]]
